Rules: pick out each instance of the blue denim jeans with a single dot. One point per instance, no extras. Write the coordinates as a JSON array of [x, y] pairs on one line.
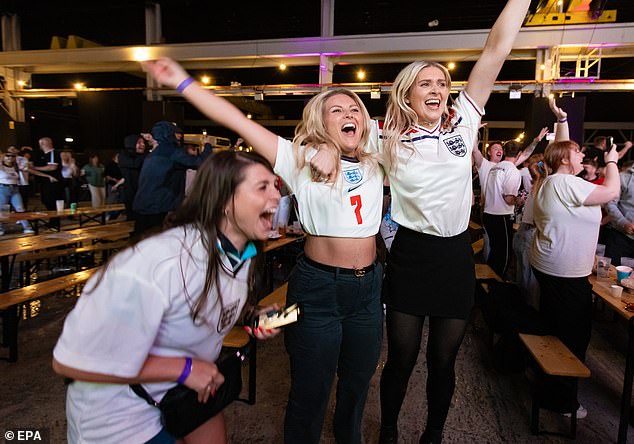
[[340, 333], [11, 194], [162, 437]]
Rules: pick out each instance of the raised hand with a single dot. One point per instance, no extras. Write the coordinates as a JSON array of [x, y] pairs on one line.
[[612, 155], [559, 113], [541, 134], [165, 71]]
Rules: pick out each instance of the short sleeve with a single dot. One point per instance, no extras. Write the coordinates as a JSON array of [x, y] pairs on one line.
[[286, 165], [573, 191], [512, 182], [112, 328]]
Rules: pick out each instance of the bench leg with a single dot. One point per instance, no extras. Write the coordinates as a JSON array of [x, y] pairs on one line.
[[252, 370], [10, 318], [535, 404], [573, 416]]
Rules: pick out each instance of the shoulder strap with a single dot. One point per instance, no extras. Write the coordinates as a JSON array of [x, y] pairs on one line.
[[142, 393]]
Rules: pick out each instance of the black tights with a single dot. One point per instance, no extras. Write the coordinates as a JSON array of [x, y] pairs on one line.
[[404, 334]]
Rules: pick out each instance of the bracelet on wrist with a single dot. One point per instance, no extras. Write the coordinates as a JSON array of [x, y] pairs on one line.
[[184, 84], [187, 369], [612, 161], [564, 120]]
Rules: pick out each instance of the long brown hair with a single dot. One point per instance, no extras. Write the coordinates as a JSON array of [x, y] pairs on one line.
[[203, 209]]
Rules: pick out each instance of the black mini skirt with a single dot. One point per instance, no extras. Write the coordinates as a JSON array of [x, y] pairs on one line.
[[429, 275]]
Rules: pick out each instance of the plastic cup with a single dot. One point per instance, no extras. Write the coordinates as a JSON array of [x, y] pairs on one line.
[[59, 204], [627, 261], [603, 266], [600, 250], [622, 272], [616, 291], [282, 230]]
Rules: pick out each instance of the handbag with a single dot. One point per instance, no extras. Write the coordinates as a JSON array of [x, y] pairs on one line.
[[182, 413]]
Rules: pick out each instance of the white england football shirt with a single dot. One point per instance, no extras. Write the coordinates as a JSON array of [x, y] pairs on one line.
[[349, 208], [431, 183]]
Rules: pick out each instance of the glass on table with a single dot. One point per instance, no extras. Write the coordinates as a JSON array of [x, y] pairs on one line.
[[603, 266]]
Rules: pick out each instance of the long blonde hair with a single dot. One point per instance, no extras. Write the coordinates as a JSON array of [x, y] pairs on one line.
[[311, 131], [400, 117]]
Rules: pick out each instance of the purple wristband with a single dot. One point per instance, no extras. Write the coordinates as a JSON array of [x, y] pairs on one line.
[[184, 84], [187, 369]]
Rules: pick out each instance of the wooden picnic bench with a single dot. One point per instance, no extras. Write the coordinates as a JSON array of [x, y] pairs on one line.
[[11, 301], [10, 248], [83, 214], [106, 247], [555, 359]]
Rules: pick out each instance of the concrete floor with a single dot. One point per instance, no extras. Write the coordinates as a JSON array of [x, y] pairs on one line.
[[487, 407]]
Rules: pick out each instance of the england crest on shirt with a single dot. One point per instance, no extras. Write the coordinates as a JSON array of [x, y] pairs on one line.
[[456, 145], [353, 176]]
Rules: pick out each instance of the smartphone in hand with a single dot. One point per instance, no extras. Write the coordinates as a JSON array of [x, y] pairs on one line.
[[276, 318]]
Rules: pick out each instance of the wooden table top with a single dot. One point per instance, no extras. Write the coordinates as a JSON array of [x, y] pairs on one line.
[[26, 244], [273, 244], [38, 215], [601, 287]]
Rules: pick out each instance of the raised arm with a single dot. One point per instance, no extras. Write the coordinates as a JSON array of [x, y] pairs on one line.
[[497, 47], [561, 129], [528, 150], [477, 155], [168, 72], [611, 187], [626, 148]]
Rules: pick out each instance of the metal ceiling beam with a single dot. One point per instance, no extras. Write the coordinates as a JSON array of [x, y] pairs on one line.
[[525, 86], [616, 39]]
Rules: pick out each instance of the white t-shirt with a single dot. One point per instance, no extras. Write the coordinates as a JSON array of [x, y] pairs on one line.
[[527, 180], [483, 171], [141, 307], [8, 175], [349, 208], [504, 179], [431, 183], [567, 230]]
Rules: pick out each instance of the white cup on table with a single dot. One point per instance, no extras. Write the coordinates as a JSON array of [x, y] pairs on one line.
[[59, 204], [616, 291]]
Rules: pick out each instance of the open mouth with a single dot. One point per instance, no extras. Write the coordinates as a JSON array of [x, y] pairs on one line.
[[267, 217], [349, 128], [433, 103]]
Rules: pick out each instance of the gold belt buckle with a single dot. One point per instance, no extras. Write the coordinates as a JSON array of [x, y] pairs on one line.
[[359, 272]]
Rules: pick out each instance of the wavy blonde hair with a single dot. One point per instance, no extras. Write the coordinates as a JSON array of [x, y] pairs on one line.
[[400, 117], [311, 131]]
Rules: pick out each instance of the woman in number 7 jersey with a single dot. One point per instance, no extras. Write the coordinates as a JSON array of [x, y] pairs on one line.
[[337, 280]]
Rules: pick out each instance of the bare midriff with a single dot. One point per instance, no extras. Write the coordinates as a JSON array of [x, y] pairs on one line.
[[341, 252]]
